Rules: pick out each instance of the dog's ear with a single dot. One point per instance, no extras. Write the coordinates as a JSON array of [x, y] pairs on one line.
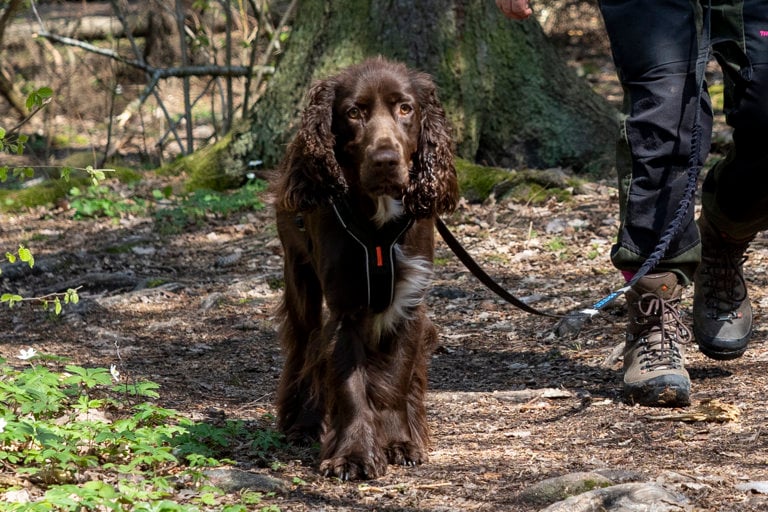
[[433, 187], [310, 171]]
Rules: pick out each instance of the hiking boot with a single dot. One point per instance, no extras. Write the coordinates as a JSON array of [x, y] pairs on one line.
[[653, 360], [722, 315]]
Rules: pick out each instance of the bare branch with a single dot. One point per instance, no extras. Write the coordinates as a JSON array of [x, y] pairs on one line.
[[182, 71], [262, 67]]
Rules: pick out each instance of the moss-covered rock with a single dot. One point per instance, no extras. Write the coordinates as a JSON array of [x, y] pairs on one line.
[[478, 182], [220, 166], [41, 194]]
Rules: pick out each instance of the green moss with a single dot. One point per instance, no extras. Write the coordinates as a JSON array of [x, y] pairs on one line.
[[79, 160], [591, 485], [125, 174], [210, 168], [46, 193], [477, 182], [716, 94], [533, 193]]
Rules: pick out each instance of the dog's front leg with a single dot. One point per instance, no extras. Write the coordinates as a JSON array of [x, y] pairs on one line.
[[352, 448]]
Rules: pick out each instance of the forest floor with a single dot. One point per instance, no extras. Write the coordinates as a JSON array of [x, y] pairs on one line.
[[510, 403]]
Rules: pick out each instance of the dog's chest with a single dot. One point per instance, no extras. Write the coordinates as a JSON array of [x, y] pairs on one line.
[[365, 268]]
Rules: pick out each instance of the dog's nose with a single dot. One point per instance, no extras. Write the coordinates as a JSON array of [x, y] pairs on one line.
[[385, 159]]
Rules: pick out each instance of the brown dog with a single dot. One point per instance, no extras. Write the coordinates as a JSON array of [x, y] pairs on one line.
[[362, 181]]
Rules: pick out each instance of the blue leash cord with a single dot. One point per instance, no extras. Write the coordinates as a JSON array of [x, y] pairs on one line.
[[573, 322]]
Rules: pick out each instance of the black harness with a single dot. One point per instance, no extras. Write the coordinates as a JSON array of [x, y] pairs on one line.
[[378, 245]]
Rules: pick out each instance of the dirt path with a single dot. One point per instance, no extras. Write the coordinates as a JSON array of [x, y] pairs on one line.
[[204, 332]]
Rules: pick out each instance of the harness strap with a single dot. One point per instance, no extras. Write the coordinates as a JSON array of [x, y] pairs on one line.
[[378, 245]]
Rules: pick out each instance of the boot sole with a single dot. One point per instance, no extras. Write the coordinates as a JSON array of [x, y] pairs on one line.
[[734, 350], [663, 391], [720, 354]]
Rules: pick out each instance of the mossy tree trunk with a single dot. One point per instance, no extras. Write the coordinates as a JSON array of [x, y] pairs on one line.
[[512, 100]]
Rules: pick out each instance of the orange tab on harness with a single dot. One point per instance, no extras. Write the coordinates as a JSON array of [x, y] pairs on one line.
[[379, 257]]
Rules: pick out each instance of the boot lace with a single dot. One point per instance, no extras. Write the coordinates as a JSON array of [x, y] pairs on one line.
[[661, 316], [725, 288]]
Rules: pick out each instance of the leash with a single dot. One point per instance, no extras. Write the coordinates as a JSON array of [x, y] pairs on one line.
[[480, 274], [574, 321]]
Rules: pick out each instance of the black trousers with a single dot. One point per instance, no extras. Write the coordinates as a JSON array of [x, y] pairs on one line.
[[656, 45]]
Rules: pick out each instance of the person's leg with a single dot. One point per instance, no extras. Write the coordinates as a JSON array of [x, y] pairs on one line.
[[735, 191], [655, 57], [655, 46]]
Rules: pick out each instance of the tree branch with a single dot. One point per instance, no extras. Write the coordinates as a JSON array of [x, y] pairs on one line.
[[181, 71]]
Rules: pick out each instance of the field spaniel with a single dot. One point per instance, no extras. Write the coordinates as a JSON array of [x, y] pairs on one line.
[[356, 197]]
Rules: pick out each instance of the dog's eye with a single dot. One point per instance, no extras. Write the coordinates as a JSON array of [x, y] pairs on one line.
[[354, 113], [405, 109]]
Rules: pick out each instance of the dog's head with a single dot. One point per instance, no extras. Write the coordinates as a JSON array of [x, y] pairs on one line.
[[378, 129]]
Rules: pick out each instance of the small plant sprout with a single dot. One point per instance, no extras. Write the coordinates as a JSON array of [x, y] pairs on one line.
[[25, 255]]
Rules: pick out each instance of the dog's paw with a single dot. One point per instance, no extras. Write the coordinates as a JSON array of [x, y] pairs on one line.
[[354, 468], [302, 437], [405, 454]]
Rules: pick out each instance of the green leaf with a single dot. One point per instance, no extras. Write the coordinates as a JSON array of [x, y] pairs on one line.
[[25, 255], [71, 296], [11, 299], [57, 306], [45, 92]]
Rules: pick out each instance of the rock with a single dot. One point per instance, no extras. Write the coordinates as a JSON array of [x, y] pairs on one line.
[[630, 497], [17, 496], [232, 480], [760, 487], [560, 487]]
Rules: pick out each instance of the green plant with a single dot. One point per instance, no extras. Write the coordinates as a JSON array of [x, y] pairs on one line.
[[14, 142], [558, 247], [192, 209], [101, 201], [70, 430], [54, 300]]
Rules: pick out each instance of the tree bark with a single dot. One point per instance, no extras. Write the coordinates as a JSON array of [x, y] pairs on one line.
[[512, 100], [8, 89]]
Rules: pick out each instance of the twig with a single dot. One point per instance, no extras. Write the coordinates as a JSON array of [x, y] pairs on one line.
[[27, 118], [370, 488], [185, 80], [183, 71]]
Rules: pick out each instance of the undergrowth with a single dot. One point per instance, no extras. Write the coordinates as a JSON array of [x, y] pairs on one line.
[[77, 439]]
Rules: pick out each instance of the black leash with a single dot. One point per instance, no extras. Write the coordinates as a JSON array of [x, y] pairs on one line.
[[479, 273]]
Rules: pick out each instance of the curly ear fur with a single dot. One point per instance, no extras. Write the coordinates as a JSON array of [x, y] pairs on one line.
[[310, 172], [433, 185]]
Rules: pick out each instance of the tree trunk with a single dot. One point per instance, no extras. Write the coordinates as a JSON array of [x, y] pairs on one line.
[[8, 89], [511, 98]]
